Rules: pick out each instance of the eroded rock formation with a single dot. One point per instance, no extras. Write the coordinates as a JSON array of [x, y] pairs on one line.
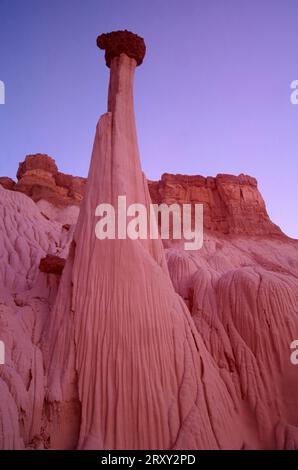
[[132, 344], [122, 42], [57, 194], [232, 204], [39, 178]]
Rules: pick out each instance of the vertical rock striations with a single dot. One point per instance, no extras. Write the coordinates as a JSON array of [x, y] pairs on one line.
[[143, 376]]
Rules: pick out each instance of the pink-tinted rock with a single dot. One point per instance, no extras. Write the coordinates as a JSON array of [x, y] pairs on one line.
[[242, 298], [232, 204], [144, 340], [39, 178], [58, 195], [7, 183], [26, 297], [45, 164], [137, 346], [52, 264]]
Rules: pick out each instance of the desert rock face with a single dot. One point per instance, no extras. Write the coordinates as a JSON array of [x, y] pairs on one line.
[[232, 204], [135, 344], [57, 194], [39, 178]]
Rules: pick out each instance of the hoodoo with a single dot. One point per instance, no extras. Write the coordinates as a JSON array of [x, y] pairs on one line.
[[131, 343], [143, 375]]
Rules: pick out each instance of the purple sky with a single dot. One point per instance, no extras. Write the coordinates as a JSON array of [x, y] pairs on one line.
[[213, 94]]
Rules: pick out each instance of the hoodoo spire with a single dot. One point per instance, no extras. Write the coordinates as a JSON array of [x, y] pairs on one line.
[[144, 376]]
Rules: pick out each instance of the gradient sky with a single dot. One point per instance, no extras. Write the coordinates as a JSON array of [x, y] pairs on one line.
[[212, 96]]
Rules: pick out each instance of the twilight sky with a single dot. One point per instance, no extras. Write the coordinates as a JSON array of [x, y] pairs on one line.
[[212, 96]]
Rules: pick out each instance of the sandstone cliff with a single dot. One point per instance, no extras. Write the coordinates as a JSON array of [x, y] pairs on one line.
[[57, 194], [232, 204]]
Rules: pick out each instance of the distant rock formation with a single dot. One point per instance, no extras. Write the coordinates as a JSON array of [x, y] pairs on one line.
[[39, 178], [57, 194], [232, 204]]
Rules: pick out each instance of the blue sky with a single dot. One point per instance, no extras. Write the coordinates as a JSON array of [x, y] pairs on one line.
[[212, 96]]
